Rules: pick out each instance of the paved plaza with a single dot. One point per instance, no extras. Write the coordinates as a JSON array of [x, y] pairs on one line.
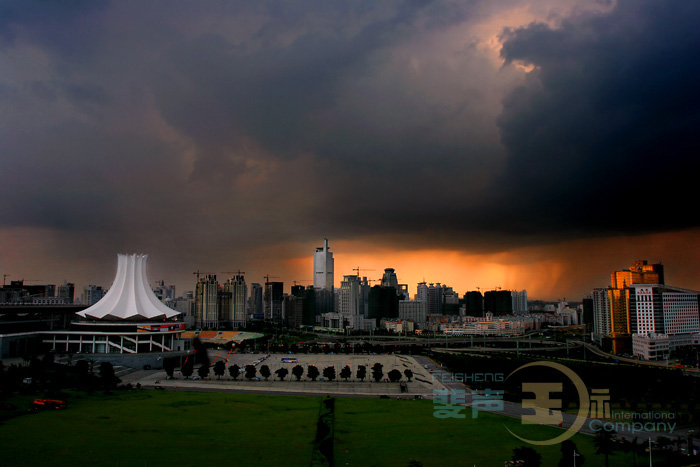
[[422, 383]]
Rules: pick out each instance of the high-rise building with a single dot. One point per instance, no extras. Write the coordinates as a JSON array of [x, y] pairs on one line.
[[66, 292], [234, 311], [611, 306], [93, 294], [662, 318], [450, 301], [323, 267], [272, 301], [421, 292], [434, 299], [164, 292], [383, 303], [474, 303], [519, 300], [414, 310], [206, 302], [639, 273], [389, 279], [18, 292], [498, 302], [255, 302]]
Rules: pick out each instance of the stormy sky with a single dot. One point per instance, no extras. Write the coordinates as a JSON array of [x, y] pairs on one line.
[[512, 143]]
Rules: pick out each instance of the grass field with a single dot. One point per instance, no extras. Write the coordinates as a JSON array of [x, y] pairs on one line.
[[148, 428]]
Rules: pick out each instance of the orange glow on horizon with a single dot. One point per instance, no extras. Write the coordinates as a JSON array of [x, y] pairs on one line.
[[565, 270]]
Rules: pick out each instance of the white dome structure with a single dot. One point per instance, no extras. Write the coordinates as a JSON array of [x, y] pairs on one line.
[[130, 297]]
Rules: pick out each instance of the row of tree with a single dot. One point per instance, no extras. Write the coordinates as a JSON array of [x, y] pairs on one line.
[[312, 372]]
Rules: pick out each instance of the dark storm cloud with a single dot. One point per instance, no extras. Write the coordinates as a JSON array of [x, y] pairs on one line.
[[320, 97], [70, 28], [603, 136], [216, 132], [281, 96]]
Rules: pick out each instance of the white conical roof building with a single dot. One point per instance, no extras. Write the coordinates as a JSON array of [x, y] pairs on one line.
[[130, 297]]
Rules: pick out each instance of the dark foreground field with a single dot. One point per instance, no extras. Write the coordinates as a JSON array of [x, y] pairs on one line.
[[149, 428]]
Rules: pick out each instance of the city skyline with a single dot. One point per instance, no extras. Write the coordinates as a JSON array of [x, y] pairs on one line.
[[372, 274], [504, 143]]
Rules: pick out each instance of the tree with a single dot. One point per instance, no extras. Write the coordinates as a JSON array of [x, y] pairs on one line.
[[408, 373], [329, 373], [107, 375], [394, 375], [82, 370], [298, 372], [265, 372], [203, 370], [346, 373], [528, 456], [361, 372], [169, 365], [188, 367], [234, 370], [250, 372], [663, 442], [569, 451], [312, 372], [48, 360], [281, 373], [604, 443], [377, 372], [219, 369]]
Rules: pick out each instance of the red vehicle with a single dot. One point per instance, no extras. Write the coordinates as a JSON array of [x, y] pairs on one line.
[[49, 404]]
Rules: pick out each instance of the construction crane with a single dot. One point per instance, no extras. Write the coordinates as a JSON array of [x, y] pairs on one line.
[[4, 276], [299, 282], [267, 277], [198, 273], [358, 269], [238, 273]]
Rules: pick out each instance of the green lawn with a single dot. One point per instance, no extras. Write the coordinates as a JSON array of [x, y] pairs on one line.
[[372, 432], [164, 428], [147, 428]]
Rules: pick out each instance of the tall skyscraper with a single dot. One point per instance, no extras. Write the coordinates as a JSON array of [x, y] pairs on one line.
[[323, 267], [206, 306], [611, 306], [639, 273], [498, 302], [272, 296], [66, 292], [234, 312], [255, 306], [474, 303], [389, 279], [519, 300]]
